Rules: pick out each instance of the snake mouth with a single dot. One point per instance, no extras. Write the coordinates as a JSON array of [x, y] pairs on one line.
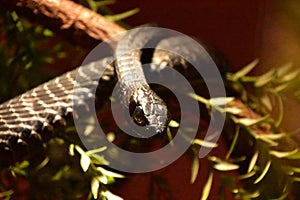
[[139, 117]]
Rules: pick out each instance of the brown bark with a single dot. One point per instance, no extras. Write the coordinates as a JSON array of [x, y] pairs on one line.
[[69, 16]]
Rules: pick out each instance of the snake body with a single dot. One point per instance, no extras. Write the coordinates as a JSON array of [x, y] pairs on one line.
[[145, 106], [30, 113]]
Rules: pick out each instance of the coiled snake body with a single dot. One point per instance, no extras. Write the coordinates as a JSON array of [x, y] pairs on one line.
[[29, 113]]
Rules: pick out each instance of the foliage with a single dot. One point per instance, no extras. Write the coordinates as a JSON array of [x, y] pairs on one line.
[[266, 169], [266, 158], [28, 51], [24, 49]]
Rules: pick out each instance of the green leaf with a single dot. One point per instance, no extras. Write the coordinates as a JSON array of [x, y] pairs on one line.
[[265, 139], [94, 151], [266, 101], [19, 168], [170, 137], [284, 70], [245, 195], [173, 124], [107, 179], [247, 175], [294, 154], [90, 126], [59, 174], [6, 195], [225, 166], [276, 136], [99, 160], [293, 74], [205, 143], [296, 179], [195, 168], [110, 196], [95, 187], [281, 87], [265, 78], [14, 16], [104, 3], [199, 98], [118, 17], [233, 110], [283, 196], [71, 149], [253, 162], [207, 187], [109, 173], [95, 5], [233, 143], [250, 122], [222, 165], [48, 33], [245, 70], [220, 101], [24, 164], [295, 169], [85, 162], [264, 172]]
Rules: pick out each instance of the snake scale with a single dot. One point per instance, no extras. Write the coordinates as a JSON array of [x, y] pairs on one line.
[[30, 113]]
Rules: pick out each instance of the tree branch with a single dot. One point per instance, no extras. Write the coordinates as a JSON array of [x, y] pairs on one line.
[[67, 15]]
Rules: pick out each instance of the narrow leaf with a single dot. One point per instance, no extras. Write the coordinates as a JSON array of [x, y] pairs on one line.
[[111, 196], [220, 101], [251, 122], [225, 166], [233, 110], [264, 172], [293, 74], [233, 143], [280, 111], [109, 173], [95, 187], [205, 143], [247, 175], [99, 160], [286, 154], [170, 137], [253, 162], [266, 101], [71, 150], [285, 69], [245, 70], [118, 17], [207, 187], [94, 151], [264, 79], [85, 162], [195, 168], [199, 98]]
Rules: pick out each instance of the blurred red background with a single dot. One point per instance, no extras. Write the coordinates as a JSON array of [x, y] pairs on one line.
[[242, 31]]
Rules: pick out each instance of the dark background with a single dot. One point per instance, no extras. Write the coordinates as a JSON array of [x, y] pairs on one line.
[[242, 31], [234, 27]]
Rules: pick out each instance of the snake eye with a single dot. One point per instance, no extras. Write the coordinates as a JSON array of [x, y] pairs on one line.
[[137, 113]]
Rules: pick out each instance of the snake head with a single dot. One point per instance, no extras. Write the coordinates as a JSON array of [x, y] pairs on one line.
[[147, 109]]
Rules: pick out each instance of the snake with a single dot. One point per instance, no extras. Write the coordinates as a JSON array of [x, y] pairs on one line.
[[30, 113]]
